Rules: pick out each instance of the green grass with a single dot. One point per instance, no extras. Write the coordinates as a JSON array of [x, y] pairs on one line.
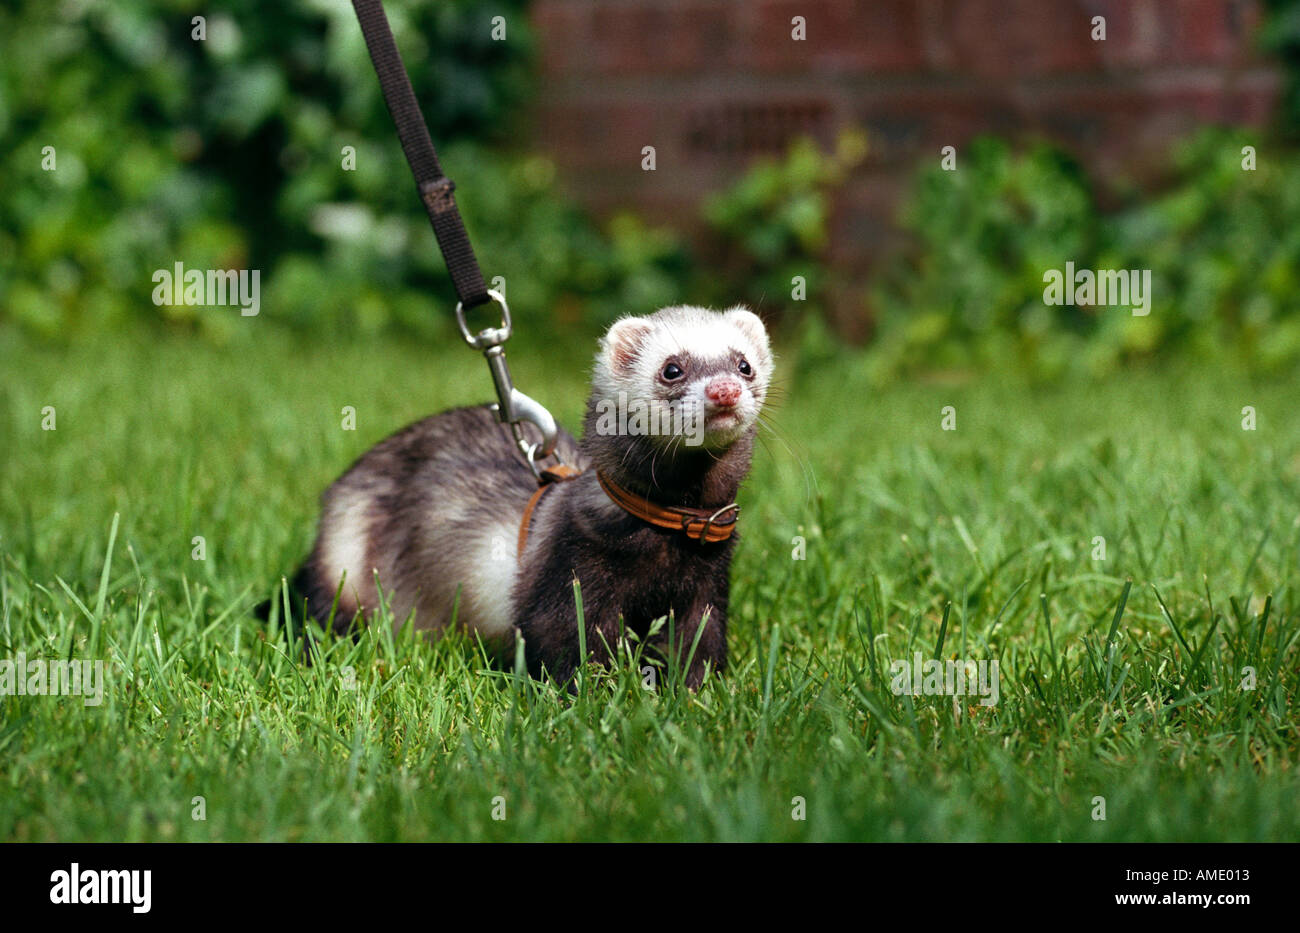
[[991, 526]]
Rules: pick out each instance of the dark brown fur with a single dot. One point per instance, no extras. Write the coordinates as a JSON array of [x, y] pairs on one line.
[[432, 513]]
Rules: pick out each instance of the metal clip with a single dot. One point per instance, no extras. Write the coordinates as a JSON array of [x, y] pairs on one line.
[[513, 407]]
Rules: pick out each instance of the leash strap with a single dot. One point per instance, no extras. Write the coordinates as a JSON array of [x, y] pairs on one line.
[[434, 187]]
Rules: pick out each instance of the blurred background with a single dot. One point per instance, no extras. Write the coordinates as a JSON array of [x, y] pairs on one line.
[[777, 161]]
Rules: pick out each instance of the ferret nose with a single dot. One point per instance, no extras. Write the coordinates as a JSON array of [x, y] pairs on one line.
[[723, 391]]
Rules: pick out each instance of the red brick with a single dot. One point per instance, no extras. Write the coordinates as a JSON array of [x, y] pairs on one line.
[[910, 125], [1014, 38], [1156, 33], [588, 134], [643, 37], [842, 36], [563, 36], [711, 82]]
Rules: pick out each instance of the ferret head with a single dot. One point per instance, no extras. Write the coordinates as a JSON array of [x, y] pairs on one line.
[[683, 375]]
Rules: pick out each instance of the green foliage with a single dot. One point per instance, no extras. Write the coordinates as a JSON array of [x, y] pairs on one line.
[[772, 225], [1280, 35], [558, 268], [984, 234], [228, 153], [1224, 247], [1222, 244]]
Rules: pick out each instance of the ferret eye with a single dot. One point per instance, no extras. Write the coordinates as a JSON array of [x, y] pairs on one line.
[[672, 371], [744, 367]]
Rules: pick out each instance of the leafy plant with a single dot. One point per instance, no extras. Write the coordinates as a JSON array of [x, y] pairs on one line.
[[772, 226], [1221, 243], [1280, 35], [229, 151]]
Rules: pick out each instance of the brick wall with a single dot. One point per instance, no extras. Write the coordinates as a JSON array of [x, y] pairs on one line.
[[713, 83]]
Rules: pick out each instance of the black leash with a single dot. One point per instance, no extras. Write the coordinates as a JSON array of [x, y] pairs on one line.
[[513, 407], [434, 187]]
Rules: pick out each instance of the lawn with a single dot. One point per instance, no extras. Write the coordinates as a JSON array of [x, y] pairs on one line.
[[980, 542]]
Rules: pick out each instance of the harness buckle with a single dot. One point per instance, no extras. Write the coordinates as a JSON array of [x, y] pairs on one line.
[[708, 522]]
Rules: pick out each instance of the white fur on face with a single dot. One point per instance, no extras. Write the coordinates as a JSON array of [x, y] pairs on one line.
[[635, 350]]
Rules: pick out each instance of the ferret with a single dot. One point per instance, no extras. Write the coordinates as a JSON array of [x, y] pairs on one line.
[[429, 520]]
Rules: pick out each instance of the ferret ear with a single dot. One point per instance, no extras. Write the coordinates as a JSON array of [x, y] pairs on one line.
[[751, 325], [623, 342]]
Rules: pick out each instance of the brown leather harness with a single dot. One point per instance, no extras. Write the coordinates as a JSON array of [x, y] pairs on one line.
[[703, 525], [545, 480]]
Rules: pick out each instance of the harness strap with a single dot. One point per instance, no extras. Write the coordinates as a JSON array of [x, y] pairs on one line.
[[546, 479], [434, 187]]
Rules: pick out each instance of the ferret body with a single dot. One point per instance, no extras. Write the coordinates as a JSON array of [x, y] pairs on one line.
[[429, 519]]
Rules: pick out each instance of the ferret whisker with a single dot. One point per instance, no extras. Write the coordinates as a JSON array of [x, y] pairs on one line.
[[809, 476]]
